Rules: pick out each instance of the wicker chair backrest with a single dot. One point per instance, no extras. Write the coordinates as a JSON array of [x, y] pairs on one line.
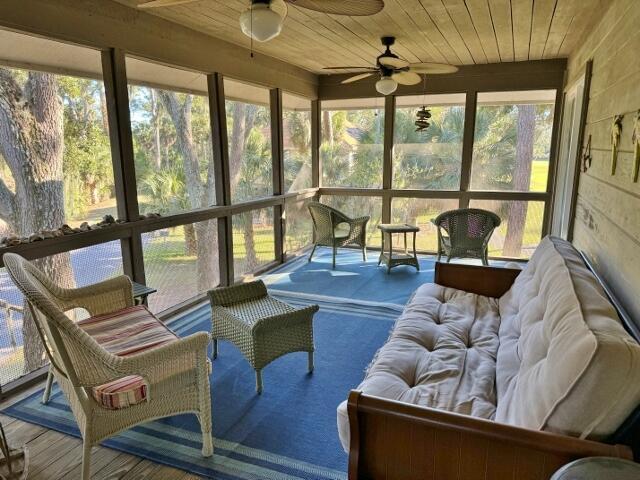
[[325, 218], [467, 225], [69, 348]]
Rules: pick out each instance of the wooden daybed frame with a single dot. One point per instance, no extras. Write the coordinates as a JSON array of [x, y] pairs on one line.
[[392, 440]]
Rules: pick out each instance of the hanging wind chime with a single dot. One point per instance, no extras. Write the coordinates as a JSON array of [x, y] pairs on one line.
[[423, 114]]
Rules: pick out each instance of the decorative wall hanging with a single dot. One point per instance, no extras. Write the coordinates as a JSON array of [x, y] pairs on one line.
[[586, 156], [616, 132], [635, 138], [423, 115]]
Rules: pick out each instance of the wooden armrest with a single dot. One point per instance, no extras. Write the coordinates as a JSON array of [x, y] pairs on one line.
[[394, 440], [486, 281]]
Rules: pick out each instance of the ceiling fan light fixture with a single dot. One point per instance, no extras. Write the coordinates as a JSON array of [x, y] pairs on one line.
[[260, 22], [386, 85]]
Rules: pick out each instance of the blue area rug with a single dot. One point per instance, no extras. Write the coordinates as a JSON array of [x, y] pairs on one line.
[[352, 278], [289, 432]]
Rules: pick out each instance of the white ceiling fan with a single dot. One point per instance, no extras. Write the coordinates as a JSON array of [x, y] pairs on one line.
[[263, 20], [394, 70]]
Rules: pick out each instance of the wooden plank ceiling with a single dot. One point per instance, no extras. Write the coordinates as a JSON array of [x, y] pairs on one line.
[[460, 32]]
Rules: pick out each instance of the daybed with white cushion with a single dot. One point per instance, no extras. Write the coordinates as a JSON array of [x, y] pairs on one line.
[[494, 373]]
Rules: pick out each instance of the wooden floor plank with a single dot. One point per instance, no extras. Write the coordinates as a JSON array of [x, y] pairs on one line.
[[56, 456], [100, 458], [117, 468]]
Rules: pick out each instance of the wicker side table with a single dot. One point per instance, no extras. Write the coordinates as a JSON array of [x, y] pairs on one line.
[[391, 259], [262, 327]]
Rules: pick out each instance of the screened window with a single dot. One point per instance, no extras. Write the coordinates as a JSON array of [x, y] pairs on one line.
[[512, 141], [181, 262], [249, 134], [420, 212], [59, 169], [296, 132], [352, 140], [20, 348], [253, 240], [521, 229], [430, 159], [171, 138], [299, 226]]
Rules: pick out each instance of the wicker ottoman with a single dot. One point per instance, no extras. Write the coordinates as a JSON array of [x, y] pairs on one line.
[[262, 327]]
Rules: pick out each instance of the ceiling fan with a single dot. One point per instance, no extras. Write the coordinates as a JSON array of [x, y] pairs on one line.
[[262, 21], [394, 70]]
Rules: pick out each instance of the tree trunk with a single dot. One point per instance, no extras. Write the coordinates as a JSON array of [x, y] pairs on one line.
[[32, 144], [251, 259], [327, 127], [242, 124], [157, 147], [208, 268], [243, 121], [517, 216], [103, 110], [190, 240]]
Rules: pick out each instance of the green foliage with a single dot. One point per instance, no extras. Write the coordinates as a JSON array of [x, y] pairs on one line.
[[159, 161], [297, 153], [495, 144], [352, 157], [430, 159], [87, 166], [166, 188], [255, 174]]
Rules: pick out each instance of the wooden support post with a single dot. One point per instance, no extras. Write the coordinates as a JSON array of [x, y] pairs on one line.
[[467, 146], [277, 157], [316, 126], [553, 162], [117, 98], [387, 156], [217, 112]]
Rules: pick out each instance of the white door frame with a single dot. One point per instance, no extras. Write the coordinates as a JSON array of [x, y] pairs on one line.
[[570, 149]]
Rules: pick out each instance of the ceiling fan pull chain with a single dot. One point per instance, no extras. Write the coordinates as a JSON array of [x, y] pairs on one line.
[[251, 37]]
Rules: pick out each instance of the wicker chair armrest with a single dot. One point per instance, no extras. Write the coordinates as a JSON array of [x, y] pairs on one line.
[[241, 292], [99, 298], [220, 313], [284, 320]]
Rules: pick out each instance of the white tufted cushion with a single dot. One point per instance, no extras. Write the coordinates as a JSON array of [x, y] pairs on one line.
[[441, 354], [565, 363]]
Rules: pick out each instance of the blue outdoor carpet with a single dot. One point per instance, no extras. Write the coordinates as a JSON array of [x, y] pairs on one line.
[[288, 432], [352, 278]]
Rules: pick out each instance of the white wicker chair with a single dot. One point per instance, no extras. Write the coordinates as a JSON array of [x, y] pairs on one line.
[[176, 374]]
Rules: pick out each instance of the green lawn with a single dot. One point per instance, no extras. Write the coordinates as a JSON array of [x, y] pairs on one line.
[[539, 175]]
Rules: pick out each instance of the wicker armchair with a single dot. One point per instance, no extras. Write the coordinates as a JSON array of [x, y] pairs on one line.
[[326, 230], [174, 377], [262, 327], [465, 233]]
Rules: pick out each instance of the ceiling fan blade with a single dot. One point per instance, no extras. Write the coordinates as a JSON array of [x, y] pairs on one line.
[[355, 78], [352, 8], [373, 69], [407, 78], [393, 62], [164, 3], [432, 68]]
